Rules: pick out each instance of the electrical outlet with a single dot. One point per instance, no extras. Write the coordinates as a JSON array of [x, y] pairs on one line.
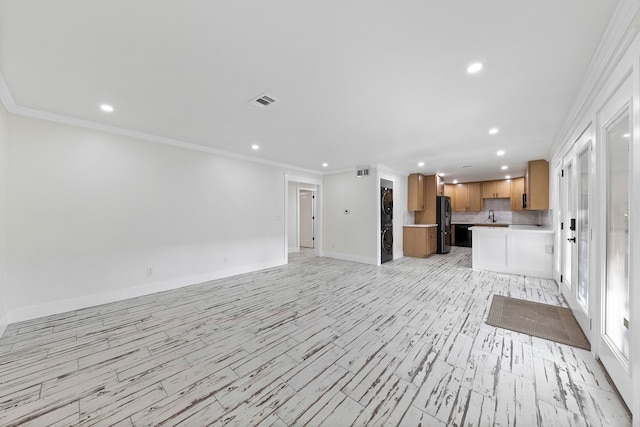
[[549, 249], [149, 271]]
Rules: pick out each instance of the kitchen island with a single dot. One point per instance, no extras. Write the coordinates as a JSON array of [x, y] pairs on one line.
[[517, 249]]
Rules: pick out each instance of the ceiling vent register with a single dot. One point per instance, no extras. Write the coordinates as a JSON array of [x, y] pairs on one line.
[[362, 172], [263, 101]]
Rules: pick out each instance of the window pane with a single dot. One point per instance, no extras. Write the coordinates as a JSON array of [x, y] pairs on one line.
[[617, 286], [583, 231]]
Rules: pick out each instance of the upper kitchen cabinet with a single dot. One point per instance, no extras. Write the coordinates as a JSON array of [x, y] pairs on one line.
[[432, 187], [450, 191], [439, 185], [536, 185], [415, 189], [496, 189], [468, 197], [517, 190]]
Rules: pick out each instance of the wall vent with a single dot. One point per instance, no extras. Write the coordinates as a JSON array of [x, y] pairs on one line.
[[263, 101], [362, 172]]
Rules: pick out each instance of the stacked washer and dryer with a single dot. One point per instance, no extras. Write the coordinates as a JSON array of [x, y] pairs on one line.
[[386, 221]]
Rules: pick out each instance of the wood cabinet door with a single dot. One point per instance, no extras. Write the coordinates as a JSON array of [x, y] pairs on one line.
[[538, 185], [503, 188], [475, 197], [450, 191], [415, 192], [488, 189], [433, 241], [415, 242], [439, 186], [517, 189], [462, 197]]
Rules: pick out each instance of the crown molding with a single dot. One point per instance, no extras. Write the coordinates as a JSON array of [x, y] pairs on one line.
[[10, 105], [623, 28]]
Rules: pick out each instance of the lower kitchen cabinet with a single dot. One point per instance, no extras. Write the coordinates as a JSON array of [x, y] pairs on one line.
[[419, 241]]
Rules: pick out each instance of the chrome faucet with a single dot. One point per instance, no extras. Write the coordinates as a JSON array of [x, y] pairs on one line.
[[492, 215]]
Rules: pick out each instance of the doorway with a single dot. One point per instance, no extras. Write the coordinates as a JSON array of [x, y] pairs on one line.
[[306, 233], [575, 230], [306, 218], [614, 336], [615, 219]]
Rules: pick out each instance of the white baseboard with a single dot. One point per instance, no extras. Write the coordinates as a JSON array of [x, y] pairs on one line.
[[294, 249], [352, 258], [62, 306]]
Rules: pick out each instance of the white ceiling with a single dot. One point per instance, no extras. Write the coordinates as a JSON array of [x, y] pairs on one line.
[[357, 82]]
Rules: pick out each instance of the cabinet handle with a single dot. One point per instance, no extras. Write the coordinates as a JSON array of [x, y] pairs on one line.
[[573, 239]]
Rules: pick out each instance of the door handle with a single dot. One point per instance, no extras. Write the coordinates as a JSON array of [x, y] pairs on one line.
[[573, 239]]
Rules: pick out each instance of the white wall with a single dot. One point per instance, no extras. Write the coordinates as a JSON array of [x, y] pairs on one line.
[[610, 68], [351, 236], [4, 308], [90, 212]]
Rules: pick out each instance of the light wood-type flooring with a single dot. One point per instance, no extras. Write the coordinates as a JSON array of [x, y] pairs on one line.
[[316, 342]]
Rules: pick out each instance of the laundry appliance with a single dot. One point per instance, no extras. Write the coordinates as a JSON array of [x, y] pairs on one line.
[[386, 220]]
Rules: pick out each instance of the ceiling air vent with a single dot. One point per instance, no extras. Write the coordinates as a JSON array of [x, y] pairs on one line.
[[362, 172], [263, 101]]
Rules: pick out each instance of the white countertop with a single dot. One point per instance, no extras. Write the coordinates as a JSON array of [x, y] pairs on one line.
[[535, 228], [420, 225], [517, 227]]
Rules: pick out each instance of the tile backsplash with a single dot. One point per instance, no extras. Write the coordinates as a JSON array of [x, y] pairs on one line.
[[503, 214]]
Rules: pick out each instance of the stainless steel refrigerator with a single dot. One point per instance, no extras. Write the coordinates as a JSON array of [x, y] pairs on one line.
[[443, 218]]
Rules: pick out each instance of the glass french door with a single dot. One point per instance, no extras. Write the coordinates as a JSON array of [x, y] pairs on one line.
[[614, 340], [575, 231]]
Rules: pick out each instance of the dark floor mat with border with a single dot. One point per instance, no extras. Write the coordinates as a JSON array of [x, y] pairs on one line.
[[539, 320]]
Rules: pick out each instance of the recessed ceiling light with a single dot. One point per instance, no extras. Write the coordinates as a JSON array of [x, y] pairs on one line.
[[508, 176], [493, 131], [626, 135], [324, 165], [474, 68], [421, 164], [505, 167], [441, 174], [106, 108], [255, 147], [500, 153], [455, 181]]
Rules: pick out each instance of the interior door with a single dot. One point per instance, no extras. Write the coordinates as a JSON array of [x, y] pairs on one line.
[[306, 219]]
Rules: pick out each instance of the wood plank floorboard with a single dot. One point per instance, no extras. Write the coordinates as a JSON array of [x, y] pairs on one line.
[[317, 342]]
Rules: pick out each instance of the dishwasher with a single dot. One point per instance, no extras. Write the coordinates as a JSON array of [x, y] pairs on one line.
[[463, 235]]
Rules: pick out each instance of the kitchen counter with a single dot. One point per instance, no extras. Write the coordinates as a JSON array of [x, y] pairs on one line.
[[534, 228], [420, 225], [517, 249]]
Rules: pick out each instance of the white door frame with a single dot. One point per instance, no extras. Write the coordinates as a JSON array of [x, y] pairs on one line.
[[615, 364], [306, 183]]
